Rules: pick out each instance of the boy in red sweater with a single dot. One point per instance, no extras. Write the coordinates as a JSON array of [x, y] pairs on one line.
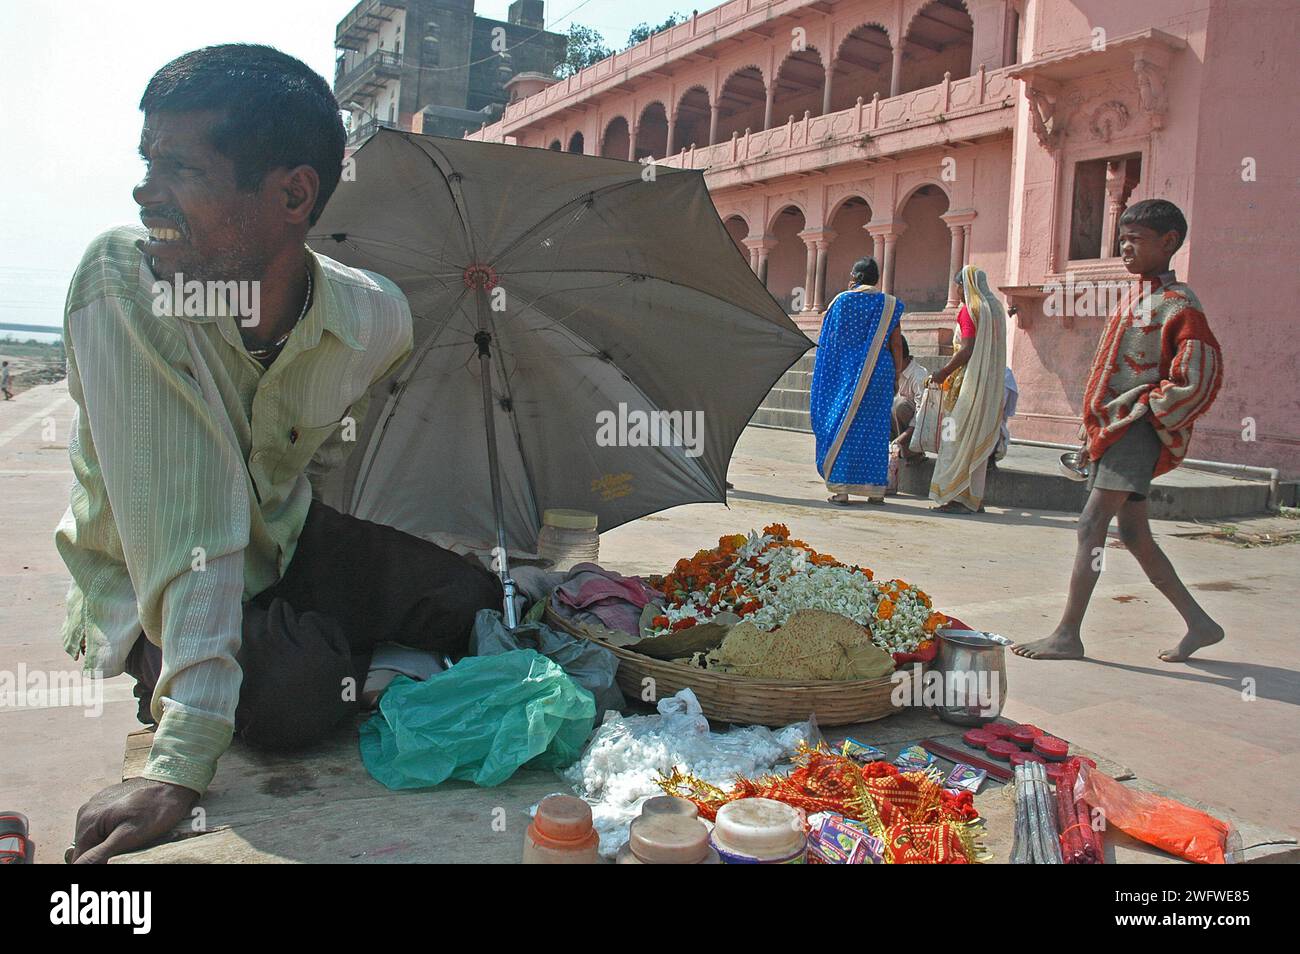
[[1158, 368]]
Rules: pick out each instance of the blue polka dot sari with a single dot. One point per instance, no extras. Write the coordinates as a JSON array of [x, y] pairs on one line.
[[853, 391]]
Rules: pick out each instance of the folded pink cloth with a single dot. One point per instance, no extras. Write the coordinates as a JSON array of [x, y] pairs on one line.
[[592, 594]]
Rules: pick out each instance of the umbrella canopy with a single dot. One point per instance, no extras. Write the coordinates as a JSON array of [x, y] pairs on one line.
[[630, 342]]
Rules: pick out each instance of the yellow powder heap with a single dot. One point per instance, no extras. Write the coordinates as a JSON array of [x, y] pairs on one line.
[[812, 645]]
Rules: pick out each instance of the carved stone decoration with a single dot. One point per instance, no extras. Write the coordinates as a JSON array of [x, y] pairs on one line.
[[1042, 113], [1152, 96], [1107, 119]]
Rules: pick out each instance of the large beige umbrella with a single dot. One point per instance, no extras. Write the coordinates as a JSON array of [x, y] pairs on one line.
[[560, 301]]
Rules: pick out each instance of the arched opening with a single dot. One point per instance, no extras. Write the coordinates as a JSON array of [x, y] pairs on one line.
[[555, 146], [788, 261], [862, 67], [576, 143], [741, 103], [851, 243], [652, 132], [939, 40], [614, 144], [738, 229], [922, 254], [798, 86], [691, 124]]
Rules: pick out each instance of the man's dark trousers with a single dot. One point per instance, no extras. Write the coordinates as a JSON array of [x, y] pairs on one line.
[[307, 640]]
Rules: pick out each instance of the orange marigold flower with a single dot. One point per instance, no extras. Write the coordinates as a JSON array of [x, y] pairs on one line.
[[684, 623], [778, 530], [885, 610], [659, 621]]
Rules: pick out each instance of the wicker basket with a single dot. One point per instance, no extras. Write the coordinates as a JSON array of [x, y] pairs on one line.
[[729, 698]]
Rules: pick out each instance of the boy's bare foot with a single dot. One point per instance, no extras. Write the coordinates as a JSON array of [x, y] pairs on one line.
[[1057, 646], [1197, 638]]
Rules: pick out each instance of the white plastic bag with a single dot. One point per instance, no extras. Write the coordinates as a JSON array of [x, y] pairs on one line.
[[626, 755], [928, 431]]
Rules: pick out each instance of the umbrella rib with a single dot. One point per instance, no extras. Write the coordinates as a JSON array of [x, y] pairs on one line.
[[668, 281], [451, 178], [504, 375], [440, 277]]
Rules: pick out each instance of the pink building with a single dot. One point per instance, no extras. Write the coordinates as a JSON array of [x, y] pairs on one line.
[[1009, 134]]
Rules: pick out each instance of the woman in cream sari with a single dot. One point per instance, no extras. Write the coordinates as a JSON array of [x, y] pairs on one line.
[[975, 390]]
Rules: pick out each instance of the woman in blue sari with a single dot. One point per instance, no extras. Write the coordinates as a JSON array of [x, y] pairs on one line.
[[859, 353]]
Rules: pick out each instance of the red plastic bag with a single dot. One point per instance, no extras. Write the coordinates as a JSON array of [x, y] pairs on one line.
[[1168, 825]]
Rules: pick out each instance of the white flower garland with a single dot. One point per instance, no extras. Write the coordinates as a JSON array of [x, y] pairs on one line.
[[794, 584]]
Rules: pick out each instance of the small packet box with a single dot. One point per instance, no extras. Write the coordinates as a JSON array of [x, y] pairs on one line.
[[965, 778]]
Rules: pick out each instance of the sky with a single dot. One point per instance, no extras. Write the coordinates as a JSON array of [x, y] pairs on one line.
[[73, 72]]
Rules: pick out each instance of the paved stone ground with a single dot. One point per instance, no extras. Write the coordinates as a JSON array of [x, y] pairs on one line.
[[1221, 729]]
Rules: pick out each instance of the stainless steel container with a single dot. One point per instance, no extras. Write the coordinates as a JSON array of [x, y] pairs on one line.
[[972, 672]]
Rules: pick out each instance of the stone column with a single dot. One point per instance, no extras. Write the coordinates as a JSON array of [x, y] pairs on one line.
[[891, 241], [759, 248], [1009, 51], [714, 110], [810, 238], [1115, 182], [884, 235], [822, 239], [956, 253], [767, 105], [631, 143], [896, 70], [877, 248], [958, 221], [672, 129], [828, 78]]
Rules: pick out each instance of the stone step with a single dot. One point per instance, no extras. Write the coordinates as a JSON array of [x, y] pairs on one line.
[[795, 380], [785, 420], [783, 399], [1027, 479]]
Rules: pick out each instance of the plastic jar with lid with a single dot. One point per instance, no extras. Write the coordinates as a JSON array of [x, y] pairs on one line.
[[761, 831], [669, 805], [667, 839], [561, 833], [568, 537]]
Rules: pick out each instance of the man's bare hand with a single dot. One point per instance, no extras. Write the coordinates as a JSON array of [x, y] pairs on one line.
[[127, 816]]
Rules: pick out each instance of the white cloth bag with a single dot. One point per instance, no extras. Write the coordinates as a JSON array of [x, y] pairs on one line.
[[928, 430]]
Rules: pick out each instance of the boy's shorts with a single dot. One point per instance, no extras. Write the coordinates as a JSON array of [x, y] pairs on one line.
[[1129, 463]]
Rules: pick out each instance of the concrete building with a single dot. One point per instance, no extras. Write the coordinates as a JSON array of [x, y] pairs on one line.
[[435, 66], [1010, 134]]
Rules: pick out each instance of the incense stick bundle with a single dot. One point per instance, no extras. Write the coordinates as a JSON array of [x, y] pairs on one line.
[[1020, 850], [1036, 828], [1080, 844], [1049, 846]]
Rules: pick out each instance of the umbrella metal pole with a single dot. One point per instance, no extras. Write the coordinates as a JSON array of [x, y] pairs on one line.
[[484, 341]]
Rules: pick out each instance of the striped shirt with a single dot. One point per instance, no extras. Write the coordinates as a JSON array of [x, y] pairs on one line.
[[193, 468]]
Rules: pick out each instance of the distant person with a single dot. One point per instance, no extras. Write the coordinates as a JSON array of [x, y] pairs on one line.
[[855, 377], [1158, 368], [974, 395], [1011, 399], [911, 385], [6, 377]]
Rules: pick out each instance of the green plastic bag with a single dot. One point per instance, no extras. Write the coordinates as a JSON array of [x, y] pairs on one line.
[[478, 721]]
